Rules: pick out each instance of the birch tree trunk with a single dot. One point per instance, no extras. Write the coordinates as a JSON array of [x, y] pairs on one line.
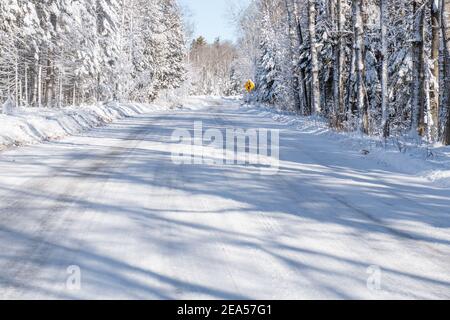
[[49, 82], [74, 94], [446, 35], [26, 85], [315, 84], [34, 93], [434, 81], [39, 87], [50, 70], [339, 60], [292, 44], [417, 88], [350, 101], [384, 69], [306, 106], [359, 61], [60, 90], [16, 79]]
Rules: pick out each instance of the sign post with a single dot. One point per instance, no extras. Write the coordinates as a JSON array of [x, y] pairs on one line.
[[249, 86]]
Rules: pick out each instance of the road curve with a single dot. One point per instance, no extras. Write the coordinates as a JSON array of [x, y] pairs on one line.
[[111, 208]]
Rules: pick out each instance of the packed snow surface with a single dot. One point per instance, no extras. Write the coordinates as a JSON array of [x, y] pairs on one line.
[[110, 208]]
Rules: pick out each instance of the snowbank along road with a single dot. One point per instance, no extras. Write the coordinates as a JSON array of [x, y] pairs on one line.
[[108, 214]]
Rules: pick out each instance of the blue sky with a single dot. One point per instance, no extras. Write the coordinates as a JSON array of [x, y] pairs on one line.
[[210, 18]]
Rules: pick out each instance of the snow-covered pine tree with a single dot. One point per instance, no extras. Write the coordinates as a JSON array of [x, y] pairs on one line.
[[173, 69], [60, 52], [268, 67], [108, 21]]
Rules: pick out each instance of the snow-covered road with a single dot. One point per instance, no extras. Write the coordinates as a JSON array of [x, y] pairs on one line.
[[112, 203]]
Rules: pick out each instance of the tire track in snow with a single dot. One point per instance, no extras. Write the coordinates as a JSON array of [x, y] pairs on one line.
[[54, 219]]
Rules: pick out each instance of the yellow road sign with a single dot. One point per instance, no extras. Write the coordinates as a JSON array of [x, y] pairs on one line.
[[249, 86]]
